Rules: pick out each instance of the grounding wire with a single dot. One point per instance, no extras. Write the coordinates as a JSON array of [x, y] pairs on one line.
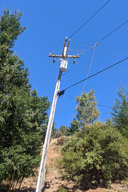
[[94, 74], [89, 69], [81, 26]]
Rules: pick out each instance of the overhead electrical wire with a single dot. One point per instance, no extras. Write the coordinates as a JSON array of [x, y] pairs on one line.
[[113, 31], [102, 39], [89, 69], [86, 22], [105, 106], [100, 105], [106, 36], [117, 63], [97, 43]]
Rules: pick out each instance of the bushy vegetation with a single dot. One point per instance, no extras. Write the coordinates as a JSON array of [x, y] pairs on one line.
[[62, 189], [95, 156]]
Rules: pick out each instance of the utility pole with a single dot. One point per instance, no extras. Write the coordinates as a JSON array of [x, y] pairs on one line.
[[63, 68]]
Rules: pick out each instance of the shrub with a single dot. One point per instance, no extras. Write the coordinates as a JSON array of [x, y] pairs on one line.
[[60, 141], [62, 189], [95, 156], [57, 135]]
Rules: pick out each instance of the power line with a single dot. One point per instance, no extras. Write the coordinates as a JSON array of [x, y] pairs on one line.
[[116, 29], [89, 69], [102, 39], [105, 106], [99, 105], [62, 92], [81, 26]]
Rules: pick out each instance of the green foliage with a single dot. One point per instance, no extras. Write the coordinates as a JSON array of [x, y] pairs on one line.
[[120, 112], [12, 70], [10, 28], [23, 115], [95, 156], [63, 130], [74, 127], [86, 111], [57, 134], [54, 131], [62, 189]]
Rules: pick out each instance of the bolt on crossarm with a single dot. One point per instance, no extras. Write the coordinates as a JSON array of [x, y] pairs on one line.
[[63, 68]]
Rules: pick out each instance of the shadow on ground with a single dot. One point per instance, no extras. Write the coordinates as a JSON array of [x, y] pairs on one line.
[[73, 188], [25, 190], [4, 189]]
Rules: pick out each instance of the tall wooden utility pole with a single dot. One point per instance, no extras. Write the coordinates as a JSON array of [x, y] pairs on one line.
[[63, 68]]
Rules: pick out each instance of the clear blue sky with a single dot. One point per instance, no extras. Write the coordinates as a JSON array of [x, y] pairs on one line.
[[48, 23]]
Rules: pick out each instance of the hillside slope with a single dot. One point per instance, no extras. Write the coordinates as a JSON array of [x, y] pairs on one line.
[[54, 181]]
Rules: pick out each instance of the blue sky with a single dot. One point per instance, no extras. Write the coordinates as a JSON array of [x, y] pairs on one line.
[[48, 23]]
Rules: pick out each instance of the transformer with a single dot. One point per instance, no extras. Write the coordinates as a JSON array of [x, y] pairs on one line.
[[63, 65]]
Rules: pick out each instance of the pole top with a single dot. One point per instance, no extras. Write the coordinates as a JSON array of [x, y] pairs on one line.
[[66, 38]]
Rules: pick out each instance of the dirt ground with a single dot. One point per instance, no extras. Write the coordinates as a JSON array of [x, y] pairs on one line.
[[53, 179]]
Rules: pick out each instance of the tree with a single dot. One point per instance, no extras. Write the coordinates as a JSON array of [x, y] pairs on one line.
[[95, 156], [120, 112], [73, 128], [54, 131], [87, 112], [63, 130], [23, 115]]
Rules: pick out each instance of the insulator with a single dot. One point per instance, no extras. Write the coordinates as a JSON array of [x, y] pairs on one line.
[[54, 60], [74, 61]]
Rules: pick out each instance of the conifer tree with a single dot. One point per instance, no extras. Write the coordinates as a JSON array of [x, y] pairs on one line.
[[73, 128], [87, 112], [23, 115], [120, 112]]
